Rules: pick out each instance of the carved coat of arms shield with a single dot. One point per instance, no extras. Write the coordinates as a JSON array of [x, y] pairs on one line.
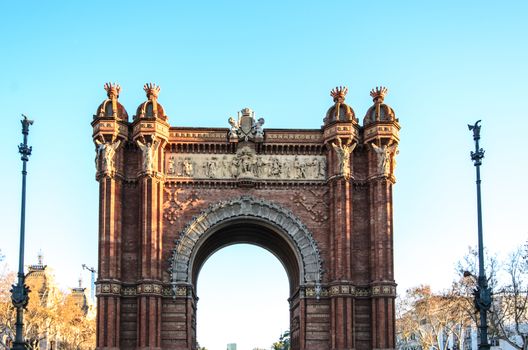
[[246, 125]]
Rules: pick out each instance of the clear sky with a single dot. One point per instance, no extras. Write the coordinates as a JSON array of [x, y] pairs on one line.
[[446, 64]]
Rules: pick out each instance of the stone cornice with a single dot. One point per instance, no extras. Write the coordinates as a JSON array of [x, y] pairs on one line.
[[275, 136], [259, 184]]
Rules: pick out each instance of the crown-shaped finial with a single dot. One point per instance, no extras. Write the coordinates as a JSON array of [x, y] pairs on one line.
[[378, 93], [152, 90], [112, 90], [339, 93]]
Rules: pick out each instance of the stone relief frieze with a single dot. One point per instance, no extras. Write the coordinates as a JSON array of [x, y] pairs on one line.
[[245, 164]]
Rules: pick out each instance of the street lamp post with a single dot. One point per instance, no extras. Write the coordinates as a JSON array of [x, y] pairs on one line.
[[482, 292], [19, 292], [92, 282]]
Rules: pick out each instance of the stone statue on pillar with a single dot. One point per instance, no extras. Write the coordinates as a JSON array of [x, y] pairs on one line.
[[343, 155], [386, 158], [148, 149], [104, 157]]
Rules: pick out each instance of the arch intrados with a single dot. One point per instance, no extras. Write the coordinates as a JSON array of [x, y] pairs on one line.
[[285, 235], [250, 231]]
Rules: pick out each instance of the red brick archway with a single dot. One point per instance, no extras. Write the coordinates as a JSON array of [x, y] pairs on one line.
[[319, 199]]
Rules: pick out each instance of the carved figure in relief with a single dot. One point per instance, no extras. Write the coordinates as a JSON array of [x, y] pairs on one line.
[[148, 150], [179, 168], [245, 161], [171, 168], [234, 167], [313, 167], [233, 133], [343, 154], [260, 167], [287, 169], [246, 164], [300, 168], [210, 168], [386, 155], [259, 130], [224, 167], [187, 167], [317, 168], [105, 155], [321, 168], [276, 167]]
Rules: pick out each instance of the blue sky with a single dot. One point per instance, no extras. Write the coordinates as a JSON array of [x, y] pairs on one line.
[[446, 64]]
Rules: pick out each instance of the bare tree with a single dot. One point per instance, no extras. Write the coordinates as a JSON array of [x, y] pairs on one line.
[[508, 316], [509, 312], [7, 311], [432, 320]]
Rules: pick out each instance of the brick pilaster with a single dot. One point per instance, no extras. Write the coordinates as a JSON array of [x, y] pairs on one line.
[[109, 267], [382, 273], [149, 304]]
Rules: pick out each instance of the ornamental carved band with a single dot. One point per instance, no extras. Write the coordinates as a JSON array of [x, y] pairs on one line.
[[247, 207]]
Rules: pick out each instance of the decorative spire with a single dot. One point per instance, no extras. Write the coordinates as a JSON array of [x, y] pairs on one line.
[[112, 90], [80, 282], [339, 93], [378, 94], [40, 258], [152, 90]]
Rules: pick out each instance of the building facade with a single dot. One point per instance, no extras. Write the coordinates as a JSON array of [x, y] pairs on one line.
[[318, 199]]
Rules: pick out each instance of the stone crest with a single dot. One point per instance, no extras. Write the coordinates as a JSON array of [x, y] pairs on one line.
[[247, 127]]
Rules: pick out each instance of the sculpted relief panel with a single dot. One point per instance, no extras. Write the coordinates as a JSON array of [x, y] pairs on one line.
[[245, 164]]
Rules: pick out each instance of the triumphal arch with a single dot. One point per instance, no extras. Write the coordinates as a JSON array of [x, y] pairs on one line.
[[319, 199]]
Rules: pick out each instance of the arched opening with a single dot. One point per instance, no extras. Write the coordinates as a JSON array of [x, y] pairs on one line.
[[150, 110], [257, 222], [109, 109], [251, 231], [255, 232], [243, 291]]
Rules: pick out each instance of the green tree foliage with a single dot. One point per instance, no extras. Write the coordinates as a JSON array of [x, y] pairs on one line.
[[283, 343]]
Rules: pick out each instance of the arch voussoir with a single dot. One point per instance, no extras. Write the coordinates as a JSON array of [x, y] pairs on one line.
[[246, 207]]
